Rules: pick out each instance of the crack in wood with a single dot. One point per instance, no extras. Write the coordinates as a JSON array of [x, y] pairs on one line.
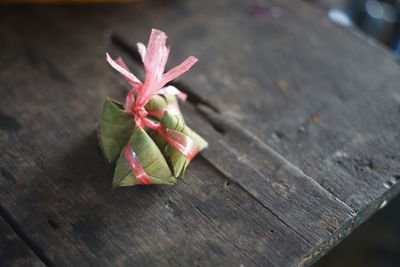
[[193, 97], [297, 169], [230, 182], [196, 104], [252, 196], [209, 113], [24, 237], [235, 127]]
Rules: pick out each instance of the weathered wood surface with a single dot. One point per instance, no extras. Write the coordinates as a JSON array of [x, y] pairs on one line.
[[310, 147], [13, 251]]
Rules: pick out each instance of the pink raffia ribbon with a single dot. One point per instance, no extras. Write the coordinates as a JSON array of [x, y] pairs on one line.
[[180, 141], [154, 58], [135, 165]]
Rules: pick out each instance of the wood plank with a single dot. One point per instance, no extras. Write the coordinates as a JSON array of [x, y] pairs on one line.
[[216, 81], [297, 95], [295, 208], [277, 184], [306, 104], [60, 177], [13, 251]]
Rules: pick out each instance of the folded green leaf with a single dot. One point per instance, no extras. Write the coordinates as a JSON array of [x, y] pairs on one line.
[[177, 161], [150, 158], [160, 103], [115, 129]]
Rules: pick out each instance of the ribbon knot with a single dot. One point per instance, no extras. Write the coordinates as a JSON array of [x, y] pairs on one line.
[[154, 58], [139, 112]]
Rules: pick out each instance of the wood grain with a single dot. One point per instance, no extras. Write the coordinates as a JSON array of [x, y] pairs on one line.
[[13, 251], [201, 220], [303, 145], [301, 101]]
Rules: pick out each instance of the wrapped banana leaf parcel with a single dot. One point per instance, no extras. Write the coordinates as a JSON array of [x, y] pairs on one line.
[[146, 137]]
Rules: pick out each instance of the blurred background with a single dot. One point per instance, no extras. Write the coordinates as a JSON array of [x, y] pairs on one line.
[[378, 18], [375, 243]]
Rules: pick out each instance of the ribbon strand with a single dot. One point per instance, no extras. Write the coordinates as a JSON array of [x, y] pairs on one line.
[[154, 58], [180, 141], [135, 165]]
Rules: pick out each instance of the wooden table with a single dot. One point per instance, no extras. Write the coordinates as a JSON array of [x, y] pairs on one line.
[[302, 117]]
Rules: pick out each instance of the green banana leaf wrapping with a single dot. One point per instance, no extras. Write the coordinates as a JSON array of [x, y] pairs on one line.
[[116, 125], [115, 129], [137, 140], [150, 158], [175, 158], [160, 160], [160, 103]]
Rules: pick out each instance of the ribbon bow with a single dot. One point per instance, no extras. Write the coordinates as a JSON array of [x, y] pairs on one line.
[[154, 58]]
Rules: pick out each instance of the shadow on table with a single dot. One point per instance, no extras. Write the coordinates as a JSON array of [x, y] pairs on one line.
[[79, 186]]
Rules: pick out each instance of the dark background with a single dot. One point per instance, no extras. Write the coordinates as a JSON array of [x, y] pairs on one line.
[[374, 243]]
